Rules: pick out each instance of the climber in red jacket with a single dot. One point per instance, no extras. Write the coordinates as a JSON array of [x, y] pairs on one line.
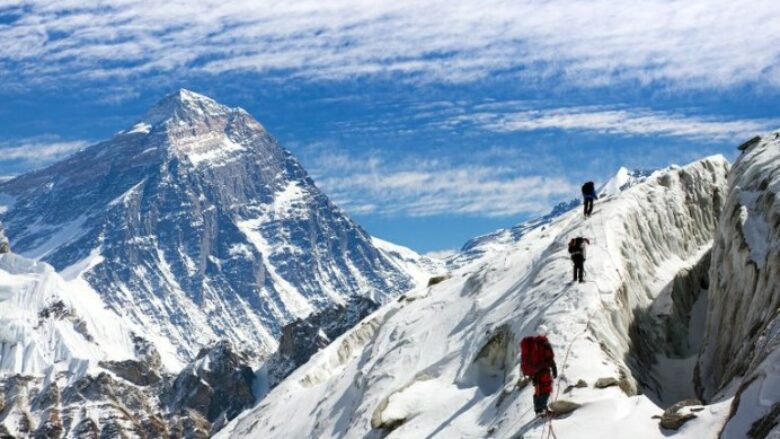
[[537, 362]]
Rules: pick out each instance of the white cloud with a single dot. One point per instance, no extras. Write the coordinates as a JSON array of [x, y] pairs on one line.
[[715, 43], [39, 150], [419, 188], [441, 254], [631, 121]]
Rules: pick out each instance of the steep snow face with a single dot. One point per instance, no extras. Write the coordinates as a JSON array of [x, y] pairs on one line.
[[49, 326], [443, 361], [197, 226], [743, 328]]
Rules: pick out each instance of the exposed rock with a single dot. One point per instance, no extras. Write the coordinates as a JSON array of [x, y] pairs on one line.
[[580, 384], [304, 337], [748, 143], [57, 310], [522, 383], [563, 407], [438, 279], [605, 382], [218, 381], [676, 415], [137, 372], [764, 425]]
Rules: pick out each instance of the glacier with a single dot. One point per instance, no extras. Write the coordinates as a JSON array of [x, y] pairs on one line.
[[442, 361]]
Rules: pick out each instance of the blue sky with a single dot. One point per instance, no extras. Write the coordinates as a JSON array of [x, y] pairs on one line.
[[428, 121]]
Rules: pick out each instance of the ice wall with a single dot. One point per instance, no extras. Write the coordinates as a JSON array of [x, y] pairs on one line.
[[743, 331]]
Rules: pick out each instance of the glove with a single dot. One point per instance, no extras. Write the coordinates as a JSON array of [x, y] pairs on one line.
[[554, 369]]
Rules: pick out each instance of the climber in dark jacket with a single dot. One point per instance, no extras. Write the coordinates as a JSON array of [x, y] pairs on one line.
[[588, 196], [577, 251]]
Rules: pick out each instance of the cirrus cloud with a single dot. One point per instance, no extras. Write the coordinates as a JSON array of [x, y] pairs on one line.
[[717, 43]]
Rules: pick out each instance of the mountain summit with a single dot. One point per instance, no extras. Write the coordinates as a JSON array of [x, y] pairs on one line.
[[196, 225]]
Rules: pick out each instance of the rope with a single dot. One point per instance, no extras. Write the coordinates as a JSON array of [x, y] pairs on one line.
[[548, 424]]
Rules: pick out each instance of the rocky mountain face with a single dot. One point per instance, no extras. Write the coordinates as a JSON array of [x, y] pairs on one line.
[[303, 338], [152, 273], [742, 341], [196, 226], [69, 367]]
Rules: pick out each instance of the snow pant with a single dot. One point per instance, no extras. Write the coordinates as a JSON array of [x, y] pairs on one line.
[[579, 267], [543, 386], [588, 204]]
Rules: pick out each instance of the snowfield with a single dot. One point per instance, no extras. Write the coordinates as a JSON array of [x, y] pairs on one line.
[[443, 361]]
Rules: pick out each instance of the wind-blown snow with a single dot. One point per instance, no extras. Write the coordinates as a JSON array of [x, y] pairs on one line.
[[443, 361]]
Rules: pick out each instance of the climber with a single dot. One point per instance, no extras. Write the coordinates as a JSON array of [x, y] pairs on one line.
[[537, 363], [577, 252], [588, 195]]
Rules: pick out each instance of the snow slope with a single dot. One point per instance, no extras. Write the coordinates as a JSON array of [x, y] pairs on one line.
[[497, 241], [742, 342], [49, 326], [420, 268], [442, 361]]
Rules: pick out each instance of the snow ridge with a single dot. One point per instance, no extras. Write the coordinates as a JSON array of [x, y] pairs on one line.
[[443, 361]]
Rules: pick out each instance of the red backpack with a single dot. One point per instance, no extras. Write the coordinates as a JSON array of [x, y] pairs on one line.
[[535, 354]]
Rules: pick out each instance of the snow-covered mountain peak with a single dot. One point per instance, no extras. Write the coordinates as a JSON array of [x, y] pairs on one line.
[[197, 225], [185, 105]]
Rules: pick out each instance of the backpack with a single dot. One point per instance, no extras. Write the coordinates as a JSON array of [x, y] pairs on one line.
[[575, 246], [588, 188], [535, 354]]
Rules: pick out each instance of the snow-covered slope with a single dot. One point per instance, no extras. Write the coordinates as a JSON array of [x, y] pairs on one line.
[[48, 326], [420, 268], [742, 343], [195, 225], [476, 248], [442, 361]]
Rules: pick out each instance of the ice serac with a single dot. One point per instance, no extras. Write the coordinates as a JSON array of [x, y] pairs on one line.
[[196, 225], [742, 342], [442, 361]]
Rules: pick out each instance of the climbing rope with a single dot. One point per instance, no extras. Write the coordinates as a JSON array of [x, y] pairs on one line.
[[548, 424]]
